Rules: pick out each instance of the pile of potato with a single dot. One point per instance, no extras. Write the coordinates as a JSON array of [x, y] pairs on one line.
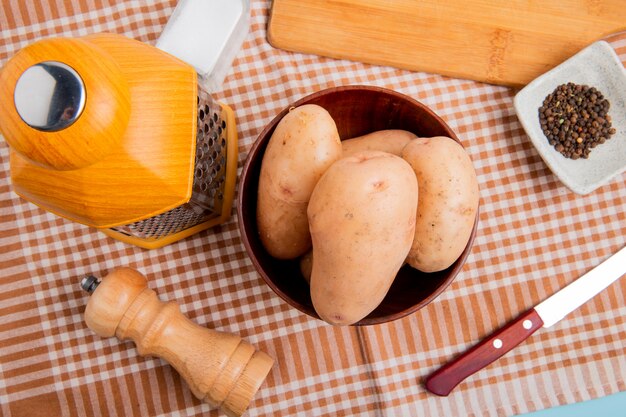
[[365, 205]]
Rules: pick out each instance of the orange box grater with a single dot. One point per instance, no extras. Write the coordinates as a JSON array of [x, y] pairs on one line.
[[116, 134]]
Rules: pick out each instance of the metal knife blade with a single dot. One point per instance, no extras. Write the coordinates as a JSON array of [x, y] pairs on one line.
[[568, 299], [545, 314]]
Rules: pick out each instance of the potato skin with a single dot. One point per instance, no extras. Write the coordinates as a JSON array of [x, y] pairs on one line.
[[304, 144], [447, 204], [306, 264], [390, 140], [362, 222]]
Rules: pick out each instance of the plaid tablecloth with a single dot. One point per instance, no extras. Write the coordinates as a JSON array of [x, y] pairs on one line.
[[535, 236]]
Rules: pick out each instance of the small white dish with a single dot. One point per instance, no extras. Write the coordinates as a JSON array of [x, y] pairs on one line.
[[596, 66]]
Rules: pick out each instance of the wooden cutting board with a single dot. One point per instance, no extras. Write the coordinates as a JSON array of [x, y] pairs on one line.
[[496, 41]]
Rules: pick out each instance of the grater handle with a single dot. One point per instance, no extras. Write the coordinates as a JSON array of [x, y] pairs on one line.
[[64, 103], [220, 368]]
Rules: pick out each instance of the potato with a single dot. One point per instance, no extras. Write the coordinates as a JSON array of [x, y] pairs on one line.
[[391, 141], [304, 144], [447, 203], [362, 222], [306, 264]]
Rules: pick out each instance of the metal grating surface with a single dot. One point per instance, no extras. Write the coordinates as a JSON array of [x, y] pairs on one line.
[[207, 196]]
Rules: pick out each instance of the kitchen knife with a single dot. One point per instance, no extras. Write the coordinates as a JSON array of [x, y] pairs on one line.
[[545, 314]]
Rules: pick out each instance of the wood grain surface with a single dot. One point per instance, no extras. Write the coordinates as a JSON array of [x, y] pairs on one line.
[[220, 368], [87, 177], [493, 347], [508, 43]]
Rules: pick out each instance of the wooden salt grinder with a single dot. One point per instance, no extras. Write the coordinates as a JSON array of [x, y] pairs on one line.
[[220, 368]]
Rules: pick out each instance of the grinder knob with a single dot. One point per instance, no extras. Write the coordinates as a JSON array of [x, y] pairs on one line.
[[220, 368], [64, 103]]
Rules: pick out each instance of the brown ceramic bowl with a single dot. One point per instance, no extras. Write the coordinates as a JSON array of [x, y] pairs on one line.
[[357, 110]]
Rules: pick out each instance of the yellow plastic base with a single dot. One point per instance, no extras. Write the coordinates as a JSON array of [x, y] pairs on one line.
[[229, 194]]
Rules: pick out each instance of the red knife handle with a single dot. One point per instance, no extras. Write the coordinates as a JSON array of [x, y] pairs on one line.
[[444, 379]]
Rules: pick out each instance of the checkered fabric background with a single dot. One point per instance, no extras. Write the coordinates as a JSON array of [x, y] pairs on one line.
[[535, 236]]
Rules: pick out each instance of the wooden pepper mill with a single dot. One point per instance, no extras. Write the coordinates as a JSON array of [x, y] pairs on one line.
[[221, 369]]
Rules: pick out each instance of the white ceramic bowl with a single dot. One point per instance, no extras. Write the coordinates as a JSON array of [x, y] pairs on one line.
[[596, 66]]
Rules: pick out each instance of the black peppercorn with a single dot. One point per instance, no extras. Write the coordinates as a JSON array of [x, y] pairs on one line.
[[575, 119]]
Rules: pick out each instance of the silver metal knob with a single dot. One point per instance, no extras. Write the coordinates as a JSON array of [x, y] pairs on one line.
[[89, 283], [49, 96]]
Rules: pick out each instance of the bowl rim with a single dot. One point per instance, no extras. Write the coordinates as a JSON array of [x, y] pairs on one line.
[[454, 269]]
